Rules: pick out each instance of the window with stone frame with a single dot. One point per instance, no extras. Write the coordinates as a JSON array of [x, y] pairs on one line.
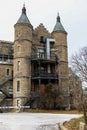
[[18, 86], [18, 66], [19, 48], [7, 72]]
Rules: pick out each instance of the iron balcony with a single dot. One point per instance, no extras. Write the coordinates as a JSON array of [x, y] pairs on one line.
[[44, 75], [43, 57]]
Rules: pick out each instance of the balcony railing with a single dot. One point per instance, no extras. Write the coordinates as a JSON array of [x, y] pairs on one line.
[[43, 75], [43, 56]]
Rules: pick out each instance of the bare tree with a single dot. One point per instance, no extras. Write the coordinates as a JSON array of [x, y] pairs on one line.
[[79, 63]]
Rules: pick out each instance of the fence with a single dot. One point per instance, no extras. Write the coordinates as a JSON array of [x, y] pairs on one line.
[[19, 108]]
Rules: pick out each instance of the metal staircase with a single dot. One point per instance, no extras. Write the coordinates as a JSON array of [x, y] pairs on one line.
[[6, 92], [1, 103], [33, 97], [4, 82]]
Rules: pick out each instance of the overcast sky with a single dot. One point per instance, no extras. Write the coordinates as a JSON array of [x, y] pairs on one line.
[[73, 15]]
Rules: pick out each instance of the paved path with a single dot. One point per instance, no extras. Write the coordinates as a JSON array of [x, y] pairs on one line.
[[32, 121]]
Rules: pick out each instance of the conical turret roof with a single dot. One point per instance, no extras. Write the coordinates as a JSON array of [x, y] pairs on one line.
[[58, 26], [23, 18]]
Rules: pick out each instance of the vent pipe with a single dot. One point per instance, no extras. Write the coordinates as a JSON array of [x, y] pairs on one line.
[[48, 42]]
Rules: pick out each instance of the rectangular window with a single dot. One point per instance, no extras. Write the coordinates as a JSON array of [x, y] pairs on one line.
[[19, 48], [7, 72], [42, 39], [40, 50], [40, 53], [18, 86], [18, 66]]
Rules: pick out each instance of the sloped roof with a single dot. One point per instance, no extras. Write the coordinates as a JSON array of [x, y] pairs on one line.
[[23, 18], [58, 26]]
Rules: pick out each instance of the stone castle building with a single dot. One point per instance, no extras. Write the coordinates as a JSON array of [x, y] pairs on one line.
[[35, 58]]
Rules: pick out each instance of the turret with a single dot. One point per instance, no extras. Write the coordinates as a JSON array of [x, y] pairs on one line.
[[22, 52], [23, 27], [60, 36]]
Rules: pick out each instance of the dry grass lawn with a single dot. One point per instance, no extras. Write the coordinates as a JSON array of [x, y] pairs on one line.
[[53, 111], [73, 124]]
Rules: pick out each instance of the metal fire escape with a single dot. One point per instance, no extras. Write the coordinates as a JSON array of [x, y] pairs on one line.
[[44, 65], [5, 59]]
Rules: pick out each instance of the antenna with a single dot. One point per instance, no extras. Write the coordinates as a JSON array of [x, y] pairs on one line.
[[58, 13], [24, 4], [58, 17]]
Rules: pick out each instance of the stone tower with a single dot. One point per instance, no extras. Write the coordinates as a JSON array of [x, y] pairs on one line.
[[22, 52], [60, 36]]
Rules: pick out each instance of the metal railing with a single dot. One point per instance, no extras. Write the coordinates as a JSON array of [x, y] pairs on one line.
[[17, 108], [43, 56], [14, 107], [44, 75]]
